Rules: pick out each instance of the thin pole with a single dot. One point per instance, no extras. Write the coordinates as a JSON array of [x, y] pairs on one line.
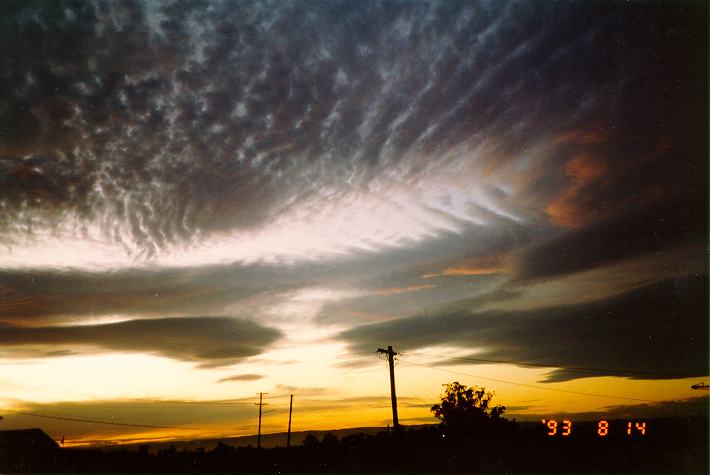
[[290, 410], [395, 419], [390, 358], [258, 436]]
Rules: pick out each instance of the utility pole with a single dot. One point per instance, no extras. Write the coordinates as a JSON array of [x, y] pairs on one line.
[[290, 410], [258, 436], [390, 357]]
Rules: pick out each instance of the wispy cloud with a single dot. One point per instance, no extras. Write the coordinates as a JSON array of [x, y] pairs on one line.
[[402, 290]]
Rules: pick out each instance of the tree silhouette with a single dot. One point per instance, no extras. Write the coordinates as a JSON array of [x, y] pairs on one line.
[[466, 412]]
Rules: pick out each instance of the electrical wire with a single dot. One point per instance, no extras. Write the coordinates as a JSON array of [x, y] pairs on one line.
[[412, 387], [125, 424], [168, 401], [531, 385]]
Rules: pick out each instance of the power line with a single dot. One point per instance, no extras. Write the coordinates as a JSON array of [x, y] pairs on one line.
[[167, 401], [92, 421], [581, 369], [531, 385], [178, 401], [415, 389]]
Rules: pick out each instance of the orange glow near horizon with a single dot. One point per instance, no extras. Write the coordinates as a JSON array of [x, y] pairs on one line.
[[322, 407]]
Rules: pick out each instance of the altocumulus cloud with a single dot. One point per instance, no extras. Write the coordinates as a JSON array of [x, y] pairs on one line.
[[208, 341], [156, 124]]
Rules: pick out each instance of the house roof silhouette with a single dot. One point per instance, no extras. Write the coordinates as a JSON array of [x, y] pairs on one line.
[[26, 440]]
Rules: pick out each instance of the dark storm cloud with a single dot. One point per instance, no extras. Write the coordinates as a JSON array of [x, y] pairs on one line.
[[209, 341], [639, 231], [167, 122], [658, 331]]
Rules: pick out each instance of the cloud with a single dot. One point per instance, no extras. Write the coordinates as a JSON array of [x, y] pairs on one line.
[[208, 341], [71, 294], [690, 407], [157, 128], [378, 305], [242, 377], [638, 231], [569, 208], [403, 290], [513, 178], [477, 265], [655, 331], [282, 390], [75, 295]]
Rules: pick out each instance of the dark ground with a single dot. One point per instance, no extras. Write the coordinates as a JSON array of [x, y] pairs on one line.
[[674, 445]]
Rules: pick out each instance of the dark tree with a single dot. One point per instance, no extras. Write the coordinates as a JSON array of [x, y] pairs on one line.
[[466, 412]]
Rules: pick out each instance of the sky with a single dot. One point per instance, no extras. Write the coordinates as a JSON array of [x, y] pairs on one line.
[[203, 200]]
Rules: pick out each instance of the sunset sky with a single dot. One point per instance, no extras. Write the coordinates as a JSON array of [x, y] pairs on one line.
[[203, 200]]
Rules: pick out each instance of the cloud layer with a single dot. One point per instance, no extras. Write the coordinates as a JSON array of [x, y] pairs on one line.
[[159, 126], [209, 341], [656, 331]]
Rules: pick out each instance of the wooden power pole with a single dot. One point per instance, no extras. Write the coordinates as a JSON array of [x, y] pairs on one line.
[[390, 357], [290, 410], [258, 436]]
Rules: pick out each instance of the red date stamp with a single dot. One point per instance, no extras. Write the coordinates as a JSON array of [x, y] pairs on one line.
[[564, 428]]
